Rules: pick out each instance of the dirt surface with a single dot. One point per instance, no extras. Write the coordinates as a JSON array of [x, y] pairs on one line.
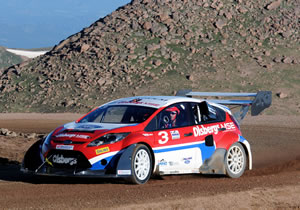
[[274, 182]]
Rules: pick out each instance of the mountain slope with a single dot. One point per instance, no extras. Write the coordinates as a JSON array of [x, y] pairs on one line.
[[8, 59], [157, 47]]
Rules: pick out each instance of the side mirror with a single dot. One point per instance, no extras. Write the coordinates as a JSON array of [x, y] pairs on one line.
[[209, 141]]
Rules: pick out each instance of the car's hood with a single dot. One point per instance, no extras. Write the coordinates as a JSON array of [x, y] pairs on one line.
[[94, 126], [86, 131]]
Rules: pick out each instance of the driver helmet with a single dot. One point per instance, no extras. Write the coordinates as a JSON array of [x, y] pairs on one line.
[[173, 110]]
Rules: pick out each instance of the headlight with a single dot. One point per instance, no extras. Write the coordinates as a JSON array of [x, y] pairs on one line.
[[109, 138]]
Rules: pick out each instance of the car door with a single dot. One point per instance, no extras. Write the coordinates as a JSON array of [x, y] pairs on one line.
[[175, 148], [208, 128]]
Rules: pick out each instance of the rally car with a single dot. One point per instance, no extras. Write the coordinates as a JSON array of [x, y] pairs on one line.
[[137, 137]]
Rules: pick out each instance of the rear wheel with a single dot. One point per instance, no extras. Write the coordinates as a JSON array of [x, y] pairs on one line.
[[141, 164], [235, 161]]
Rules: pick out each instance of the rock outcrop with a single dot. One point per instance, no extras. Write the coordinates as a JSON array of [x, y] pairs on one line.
[[149, 46]]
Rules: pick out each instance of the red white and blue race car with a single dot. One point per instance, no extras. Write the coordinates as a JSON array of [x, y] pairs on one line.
[[137, 137]]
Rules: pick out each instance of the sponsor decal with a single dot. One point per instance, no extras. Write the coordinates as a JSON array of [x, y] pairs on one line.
[[65, 147], [72, 136], [175, 134], [228, 126], [138, 102], [102, 150], [187, 160], [124, 172], [164, 136], [60, 159], [162, 162], [214, 129]]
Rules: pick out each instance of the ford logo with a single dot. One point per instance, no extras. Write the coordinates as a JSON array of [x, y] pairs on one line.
[[68, 142]]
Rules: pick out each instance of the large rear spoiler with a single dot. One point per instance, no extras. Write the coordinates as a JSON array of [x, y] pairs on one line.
[[261, 101]]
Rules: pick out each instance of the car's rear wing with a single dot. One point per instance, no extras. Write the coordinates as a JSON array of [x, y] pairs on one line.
[[261, 101]]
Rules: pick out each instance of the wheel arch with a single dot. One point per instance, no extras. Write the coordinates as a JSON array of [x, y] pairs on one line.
[[247, 149]]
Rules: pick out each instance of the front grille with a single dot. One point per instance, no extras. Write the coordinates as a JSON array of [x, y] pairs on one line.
[[67, 159]]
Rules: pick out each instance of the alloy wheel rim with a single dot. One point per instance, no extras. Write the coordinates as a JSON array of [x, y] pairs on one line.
[[235, 160], [142, 164]]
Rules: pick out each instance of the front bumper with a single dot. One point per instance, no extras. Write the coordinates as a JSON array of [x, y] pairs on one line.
[[48, 171], [119, 166]]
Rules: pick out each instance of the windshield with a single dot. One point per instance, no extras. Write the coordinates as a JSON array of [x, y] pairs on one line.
[[124, 114]]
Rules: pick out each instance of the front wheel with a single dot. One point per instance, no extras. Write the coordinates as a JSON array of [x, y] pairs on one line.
[[141, 164], [235, 160]]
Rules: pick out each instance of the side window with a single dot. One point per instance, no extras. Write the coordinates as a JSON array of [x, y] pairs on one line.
[[206, 113], [216, 114], [212, 113], [174, 116], [152, 126], [221, 115]]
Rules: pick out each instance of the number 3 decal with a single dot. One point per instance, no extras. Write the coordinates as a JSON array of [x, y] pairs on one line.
[[164, 136]]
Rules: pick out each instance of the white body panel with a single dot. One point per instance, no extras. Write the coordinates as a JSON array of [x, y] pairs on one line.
[[173, 160]]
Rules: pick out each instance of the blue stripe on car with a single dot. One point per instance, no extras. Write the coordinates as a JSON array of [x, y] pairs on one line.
[[242, 139], [206, 151], [99, 166]]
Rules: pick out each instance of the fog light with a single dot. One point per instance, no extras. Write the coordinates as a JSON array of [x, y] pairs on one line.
[[103, 162]]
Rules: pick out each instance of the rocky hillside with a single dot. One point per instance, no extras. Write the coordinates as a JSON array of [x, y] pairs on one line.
[[159, 46], [8, 59]]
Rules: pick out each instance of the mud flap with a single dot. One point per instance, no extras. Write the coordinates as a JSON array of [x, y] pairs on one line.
[[214, 164], [32, 159], [124, 165]]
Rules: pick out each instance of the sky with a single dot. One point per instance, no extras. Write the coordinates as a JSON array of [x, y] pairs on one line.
[[44, 23]]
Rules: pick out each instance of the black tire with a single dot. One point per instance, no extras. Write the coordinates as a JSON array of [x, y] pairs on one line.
[[141, 165], [32, 159], [235, 161]]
